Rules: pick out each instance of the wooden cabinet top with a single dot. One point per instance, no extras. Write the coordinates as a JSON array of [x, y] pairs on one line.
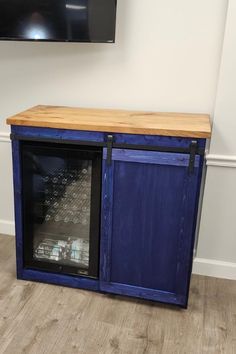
[[115, 121]]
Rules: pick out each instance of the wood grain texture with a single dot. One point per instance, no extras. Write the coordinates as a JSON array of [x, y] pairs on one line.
[[156, 140], [62, 135], [149, 239], [115, 121], [18, 208], [77, 136], [38, 318], [59, 279], [151, 157], [106, 220]]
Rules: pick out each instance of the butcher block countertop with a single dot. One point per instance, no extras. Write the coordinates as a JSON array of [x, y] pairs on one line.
[[115, 121]]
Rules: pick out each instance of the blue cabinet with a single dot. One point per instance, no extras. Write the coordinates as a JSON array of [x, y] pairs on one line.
[[149, 208], [149, 202]]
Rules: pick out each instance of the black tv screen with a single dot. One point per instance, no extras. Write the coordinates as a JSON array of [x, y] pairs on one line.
[[58, 20]]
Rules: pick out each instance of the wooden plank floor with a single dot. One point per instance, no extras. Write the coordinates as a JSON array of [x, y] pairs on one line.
[[40, 318]]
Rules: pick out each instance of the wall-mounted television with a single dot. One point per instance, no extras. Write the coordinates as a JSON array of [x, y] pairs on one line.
[[58, 20]]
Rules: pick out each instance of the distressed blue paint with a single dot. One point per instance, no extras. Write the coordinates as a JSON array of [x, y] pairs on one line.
[[190, 255], [106, 218], [144, 293], [153, 212], [59, 134], [187, 233], [148, 257], [157, 140], [18, 206], [152, 157], [76, 135], [60, 279]]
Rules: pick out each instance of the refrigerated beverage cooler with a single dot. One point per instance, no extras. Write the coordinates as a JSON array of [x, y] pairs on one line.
[[61, 206]]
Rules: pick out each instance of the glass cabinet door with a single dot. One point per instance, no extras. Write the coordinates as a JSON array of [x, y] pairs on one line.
[[61, 207]]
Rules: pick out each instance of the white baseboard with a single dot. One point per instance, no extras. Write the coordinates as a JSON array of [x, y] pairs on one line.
[[7, 227], [214, 268]]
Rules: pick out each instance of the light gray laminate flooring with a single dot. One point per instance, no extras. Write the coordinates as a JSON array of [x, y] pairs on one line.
[[40, 318]]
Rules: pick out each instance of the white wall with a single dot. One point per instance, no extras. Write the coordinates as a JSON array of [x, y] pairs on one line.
[[217, 241], [166, 58], [223, 138], [6, 190]]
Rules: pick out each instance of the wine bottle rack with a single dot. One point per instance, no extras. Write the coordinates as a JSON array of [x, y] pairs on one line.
[[67, 196]]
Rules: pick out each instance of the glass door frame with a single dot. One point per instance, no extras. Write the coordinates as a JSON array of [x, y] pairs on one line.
[[83, 153]]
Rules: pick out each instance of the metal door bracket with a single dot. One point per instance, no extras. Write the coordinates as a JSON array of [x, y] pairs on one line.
[[109, 148], [193, 150]]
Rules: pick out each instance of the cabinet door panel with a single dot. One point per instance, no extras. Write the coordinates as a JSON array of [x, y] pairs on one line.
[[148, 233]]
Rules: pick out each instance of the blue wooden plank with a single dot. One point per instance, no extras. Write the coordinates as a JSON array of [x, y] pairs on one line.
[[152, 157], [106, 219], [146, 214], [60, 279], [144, 293], [75, 135], [186, 231], [18, 206], [150, 202], [156, 140], [58, 134], [185, 260]]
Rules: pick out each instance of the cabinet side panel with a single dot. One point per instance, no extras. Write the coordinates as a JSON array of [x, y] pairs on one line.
[[17, 179], [188, 224]]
